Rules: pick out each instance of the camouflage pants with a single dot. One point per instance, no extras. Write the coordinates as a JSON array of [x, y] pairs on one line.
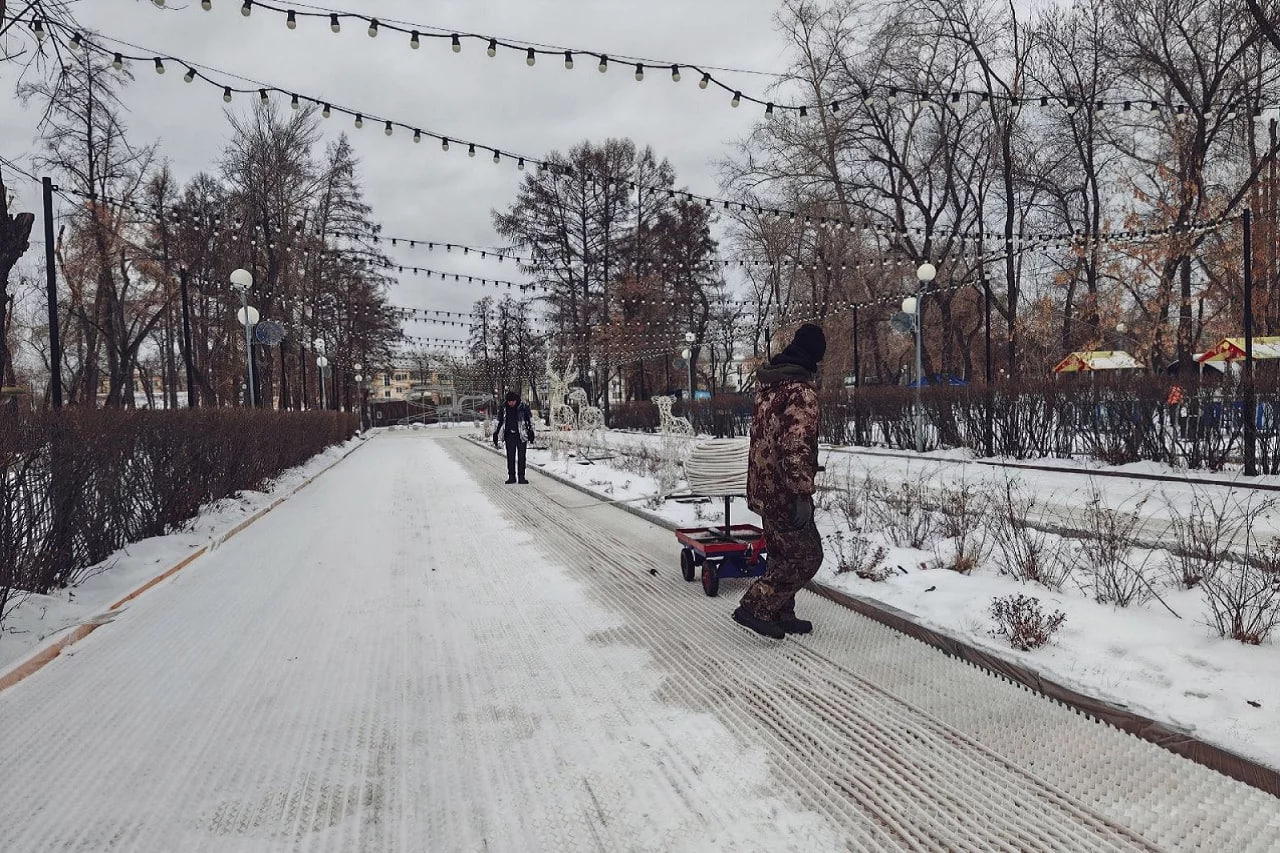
[[794, 558]]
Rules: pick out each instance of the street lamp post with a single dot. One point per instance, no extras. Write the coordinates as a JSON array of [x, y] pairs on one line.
[[914, 305], [242, 280], [364, 397], [689, 338], [318, 346], [322, 363]]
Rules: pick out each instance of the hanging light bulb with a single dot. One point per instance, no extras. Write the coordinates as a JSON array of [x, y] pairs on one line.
[[294, 103], [768, 109], [737, 99], [675, 73], [359, 120], [190, 75], [327, 111], [247, 8], [206, 4], [291, 20], [414, 42], [159, 3], [604, 64], [417, 135], [37, 26], [76, 42], [444, 144], [804, 112], [706, 79], [117, 62], [457, 44], [388, 130], [262, 95], [520, 166], [639, 71], [497, 157], [568, 60], [373, 28], [471, 150], [226, 94], [159, 66]]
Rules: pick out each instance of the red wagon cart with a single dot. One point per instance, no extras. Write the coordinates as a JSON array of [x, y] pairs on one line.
[[727, 551]]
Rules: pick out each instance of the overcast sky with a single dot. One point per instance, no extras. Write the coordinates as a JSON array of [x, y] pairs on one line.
[[417, 190]]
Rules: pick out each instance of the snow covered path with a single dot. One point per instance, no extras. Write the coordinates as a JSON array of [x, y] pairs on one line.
[[411, 656]]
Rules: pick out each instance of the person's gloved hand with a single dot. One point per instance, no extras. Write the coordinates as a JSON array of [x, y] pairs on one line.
[[801, 511], [495, 441]]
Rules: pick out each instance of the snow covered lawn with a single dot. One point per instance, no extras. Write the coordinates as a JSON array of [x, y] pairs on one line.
[[1168, 667]]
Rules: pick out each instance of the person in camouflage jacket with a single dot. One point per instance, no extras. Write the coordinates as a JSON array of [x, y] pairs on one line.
[[780, 484]]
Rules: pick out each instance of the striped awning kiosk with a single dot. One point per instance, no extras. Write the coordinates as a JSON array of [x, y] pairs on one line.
[[1085, 361], [1232, 349]]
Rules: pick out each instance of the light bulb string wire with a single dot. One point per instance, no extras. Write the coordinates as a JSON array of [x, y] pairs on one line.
[[175, 215], [1075, 238], [866, 93]]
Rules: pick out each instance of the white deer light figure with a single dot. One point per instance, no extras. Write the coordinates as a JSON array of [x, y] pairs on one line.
[[677, 438], [590, 421], [563, 417]]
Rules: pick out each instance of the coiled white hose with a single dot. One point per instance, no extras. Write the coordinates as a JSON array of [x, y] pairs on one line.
[[718, 467]]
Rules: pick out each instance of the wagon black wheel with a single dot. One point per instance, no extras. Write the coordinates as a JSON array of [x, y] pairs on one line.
[[686, 563], [710, 578]]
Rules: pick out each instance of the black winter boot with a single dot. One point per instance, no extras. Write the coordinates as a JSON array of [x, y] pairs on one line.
[[510, 480], [796, 626], [760, 626]]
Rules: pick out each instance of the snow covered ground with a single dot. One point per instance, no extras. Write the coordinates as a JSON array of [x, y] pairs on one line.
[[409, 655], [1142, 657]]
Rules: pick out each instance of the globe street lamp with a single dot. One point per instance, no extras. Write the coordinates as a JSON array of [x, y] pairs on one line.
[[318, 346], [322, 363], [364, 394], [913, 305], [242, 280]]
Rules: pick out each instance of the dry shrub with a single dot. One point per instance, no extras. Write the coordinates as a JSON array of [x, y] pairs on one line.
[[1204, 534], [1028, 553], [904, 513], [963, 517], [1020, 620], [1120, 571], [854, 553]]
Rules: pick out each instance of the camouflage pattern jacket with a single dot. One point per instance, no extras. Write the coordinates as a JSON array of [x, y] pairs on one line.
[[784, 440]]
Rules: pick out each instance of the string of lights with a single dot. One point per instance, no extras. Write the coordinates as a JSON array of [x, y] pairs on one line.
[[869, 95], [195, 71]]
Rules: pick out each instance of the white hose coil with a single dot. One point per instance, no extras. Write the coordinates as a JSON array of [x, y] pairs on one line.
[[718, 467]]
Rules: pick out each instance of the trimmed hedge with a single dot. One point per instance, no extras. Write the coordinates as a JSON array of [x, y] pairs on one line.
[[77, 485]]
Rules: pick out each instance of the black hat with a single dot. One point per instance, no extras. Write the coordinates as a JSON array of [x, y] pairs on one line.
[[513, 396], [806, 349]]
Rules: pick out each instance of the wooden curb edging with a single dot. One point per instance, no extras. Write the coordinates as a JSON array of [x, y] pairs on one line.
[[44, 655], [1164, 735]]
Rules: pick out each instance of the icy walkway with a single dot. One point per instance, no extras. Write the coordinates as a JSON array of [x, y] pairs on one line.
[[411, 656]]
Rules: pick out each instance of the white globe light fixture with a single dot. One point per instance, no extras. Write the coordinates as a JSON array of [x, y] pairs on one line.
[[242, 280], [1121, 328], [909, 305], [322, 362], [926, 272]]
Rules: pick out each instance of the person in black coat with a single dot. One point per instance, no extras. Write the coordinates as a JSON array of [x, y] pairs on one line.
[[515, 427]]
